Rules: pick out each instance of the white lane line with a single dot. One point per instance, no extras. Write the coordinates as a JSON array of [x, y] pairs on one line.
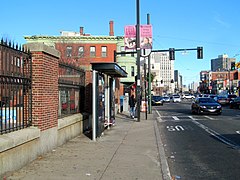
[[209, 117], [217, 135], [175, 118], [192, 118], [158, 113]]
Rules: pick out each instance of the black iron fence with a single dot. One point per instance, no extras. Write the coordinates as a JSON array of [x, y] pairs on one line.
[[71, 82], [15, 87]]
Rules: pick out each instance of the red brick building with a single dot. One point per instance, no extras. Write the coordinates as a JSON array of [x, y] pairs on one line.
[[81, 49], [225, 80]]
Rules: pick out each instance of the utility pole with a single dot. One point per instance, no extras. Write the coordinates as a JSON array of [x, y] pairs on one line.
[[138, 92], [149, 77], [145, 86]]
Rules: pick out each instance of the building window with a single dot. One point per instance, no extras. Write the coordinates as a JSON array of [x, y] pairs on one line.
[[81, 51], [124, 68], [104, 51], [69, 51], [92, 51], [132, 70]]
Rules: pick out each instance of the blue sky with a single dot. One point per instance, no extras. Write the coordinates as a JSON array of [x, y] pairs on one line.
[[213, 24]]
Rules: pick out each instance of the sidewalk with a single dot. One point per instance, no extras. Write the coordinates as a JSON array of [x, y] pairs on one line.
[[127, 151]]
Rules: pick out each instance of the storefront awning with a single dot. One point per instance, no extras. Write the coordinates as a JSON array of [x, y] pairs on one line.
[[110, 68]]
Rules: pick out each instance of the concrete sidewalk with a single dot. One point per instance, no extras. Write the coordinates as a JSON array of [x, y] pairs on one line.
[[126, 151]]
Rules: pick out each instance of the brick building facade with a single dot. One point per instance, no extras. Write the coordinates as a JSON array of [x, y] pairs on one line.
[[81, 49]]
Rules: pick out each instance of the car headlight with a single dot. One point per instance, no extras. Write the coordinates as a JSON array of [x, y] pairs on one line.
[[204, 107], [218, 107]]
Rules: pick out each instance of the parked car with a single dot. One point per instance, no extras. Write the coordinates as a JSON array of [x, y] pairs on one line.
[[176, 98], [166, 98], [223, 100], [206, 105], [230, 97], [188, 96], [157, 100], [235, 103]]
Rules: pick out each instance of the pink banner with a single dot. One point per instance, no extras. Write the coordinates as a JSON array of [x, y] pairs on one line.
[[145, 37], [130, 37]]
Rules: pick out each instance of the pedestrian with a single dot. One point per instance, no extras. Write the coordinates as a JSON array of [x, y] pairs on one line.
[[132, 106]]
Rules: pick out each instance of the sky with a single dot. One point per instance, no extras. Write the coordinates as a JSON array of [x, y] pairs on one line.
[[212, 24]]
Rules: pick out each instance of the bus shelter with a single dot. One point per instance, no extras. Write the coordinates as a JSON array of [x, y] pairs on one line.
[[103, 101]]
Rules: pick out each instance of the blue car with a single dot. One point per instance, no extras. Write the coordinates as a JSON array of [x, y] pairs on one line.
[[157, 100]]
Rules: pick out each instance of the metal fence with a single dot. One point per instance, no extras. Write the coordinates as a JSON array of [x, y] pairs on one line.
[[15, 87]]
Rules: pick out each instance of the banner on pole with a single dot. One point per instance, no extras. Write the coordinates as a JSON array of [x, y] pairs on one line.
[[130, 37], [145, 37]]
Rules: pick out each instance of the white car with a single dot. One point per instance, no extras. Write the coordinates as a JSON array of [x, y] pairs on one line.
[[176, 98], [166, 98], [188, 96]]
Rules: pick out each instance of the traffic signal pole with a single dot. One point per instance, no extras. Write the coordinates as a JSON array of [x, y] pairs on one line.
[[138, 92]]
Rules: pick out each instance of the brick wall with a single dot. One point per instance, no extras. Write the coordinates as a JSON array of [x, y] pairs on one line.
[[44, 86]]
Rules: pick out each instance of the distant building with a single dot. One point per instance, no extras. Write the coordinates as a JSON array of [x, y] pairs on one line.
[[225, 81], [177, 81], [163, 70], [222, 63]]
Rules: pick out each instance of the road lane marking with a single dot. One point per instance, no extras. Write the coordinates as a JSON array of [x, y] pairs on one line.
[[175, 128], [209, 117], [158, 113], [192, 118], [217, 135], [175, 118]]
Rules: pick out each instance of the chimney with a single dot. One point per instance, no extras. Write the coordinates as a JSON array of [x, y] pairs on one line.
[[111, 33], [81, 31]]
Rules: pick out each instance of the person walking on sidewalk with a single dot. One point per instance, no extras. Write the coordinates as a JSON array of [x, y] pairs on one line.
[[132, 106]]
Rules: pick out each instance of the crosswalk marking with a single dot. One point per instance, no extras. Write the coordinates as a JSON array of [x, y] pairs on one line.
[[192, 118], [183, 118], [209, 117], [175, 118]]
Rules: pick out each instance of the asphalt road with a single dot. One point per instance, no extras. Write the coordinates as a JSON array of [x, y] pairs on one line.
[[200, 146]]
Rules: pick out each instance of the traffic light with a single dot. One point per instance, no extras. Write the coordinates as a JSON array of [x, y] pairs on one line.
[[232, 65], [161, 81], [200, 52], [171, 54], [172, 81]]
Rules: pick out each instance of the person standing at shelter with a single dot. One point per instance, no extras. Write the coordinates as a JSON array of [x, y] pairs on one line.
[[132, 106]]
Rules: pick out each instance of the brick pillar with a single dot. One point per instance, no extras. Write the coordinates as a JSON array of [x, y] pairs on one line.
[[45, 63]]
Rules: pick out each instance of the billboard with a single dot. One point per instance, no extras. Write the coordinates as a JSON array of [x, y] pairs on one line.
[[145, 37]]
